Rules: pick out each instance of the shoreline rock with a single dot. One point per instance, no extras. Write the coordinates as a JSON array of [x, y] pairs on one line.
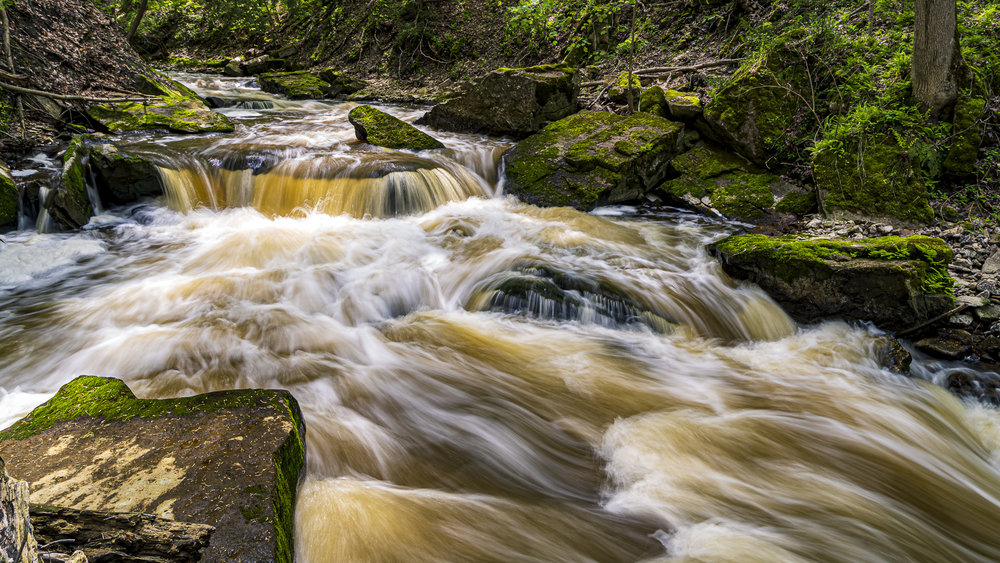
[[229, 459]]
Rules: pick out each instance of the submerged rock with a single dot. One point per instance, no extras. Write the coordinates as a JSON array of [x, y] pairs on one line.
[[710, 178], [228, 459], [894, 282], [181, 110], [510, 101], [17, 540], [381, 129], [592, 158], [298, 85]]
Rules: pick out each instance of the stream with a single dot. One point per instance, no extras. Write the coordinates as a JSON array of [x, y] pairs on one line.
[[484, 380]]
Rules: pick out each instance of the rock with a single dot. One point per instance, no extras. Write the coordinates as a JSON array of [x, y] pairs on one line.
[[592, 158], [233, 68], [892, 355], [981, 386], [341, 85], [70, 204], [9, 196], [618, 92], [122, 178], [964, 151], [111, 536], [262, 64], [381, 129], [17, 540], [753, 111], [286, 51], [510, 101], [992, 264], [894, 282], [654, 101], [948, 344], [228, 459], [682, 106], [855, 177], [297, 85], [960, 321], [988, 313], [733, 186], [181, 110]]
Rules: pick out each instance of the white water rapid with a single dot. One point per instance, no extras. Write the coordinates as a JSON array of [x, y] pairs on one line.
[[484, 380]]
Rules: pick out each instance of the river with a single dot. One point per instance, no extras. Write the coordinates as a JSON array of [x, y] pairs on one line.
[[484, 380]]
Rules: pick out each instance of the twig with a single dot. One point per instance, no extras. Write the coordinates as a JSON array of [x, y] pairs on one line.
[[65, 98], [954, 311]]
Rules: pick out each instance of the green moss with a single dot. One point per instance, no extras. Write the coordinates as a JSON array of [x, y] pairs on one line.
[[925, 257], [381, 129], [871, 177], [288, 463], [744, 195], [797, 203], [619, 91], [653, 101], [295, 85], [705, 162], [964, 151], [8, 197]]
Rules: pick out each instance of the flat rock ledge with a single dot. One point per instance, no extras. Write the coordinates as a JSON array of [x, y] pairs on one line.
[[229, 460], [895, 282]]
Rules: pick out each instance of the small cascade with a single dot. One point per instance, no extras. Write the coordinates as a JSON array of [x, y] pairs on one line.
[[44, 223], [91, 184], [371, 185]]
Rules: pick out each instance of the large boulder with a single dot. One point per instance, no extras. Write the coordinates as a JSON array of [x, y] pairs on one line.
[[592, 158], [229, 459], [17, 540], [299, 85], [873, 177], [381, 129], [894, 282], [755, 108], [510, 101], [122, 177], [70, 203], [180, 110], [709, 178]]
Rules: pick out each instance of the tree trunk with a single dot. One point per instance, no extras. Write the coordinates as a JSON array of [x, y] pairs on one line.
[[140, 11], [938, 69]]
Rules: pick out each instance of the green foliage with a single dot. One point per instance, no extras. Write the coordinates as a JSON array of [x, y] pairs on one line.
[[582, 31]]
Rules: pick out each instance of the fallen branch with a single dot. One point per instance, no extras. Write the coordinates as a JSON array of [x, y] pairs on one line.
[[13, 77], [666, 69], [66, 98], [924, 324]]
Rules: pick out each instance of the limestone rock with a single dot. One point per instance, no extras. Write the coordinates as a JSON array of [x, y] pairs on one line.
[[121, 177], [592, 158], [757, 106], [298, 85], [17, 540], [181, 110], [8, 198], [227, 459], [70, 204], [682, 106], [733, 186], [894, 282], [233, 68], [381, 129], [510, 101], [618, 92], [654, 101], [340, 84], [872, 178]]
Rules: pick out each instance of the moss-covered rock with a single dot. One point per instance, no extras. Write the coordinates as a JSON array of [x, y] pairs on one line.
[[592, 158], [8, 198], [619, 90], [233, 68], [682, 106], [871, 177], [70, 203], [122, 177], [653, 101], [181, 110], [710, 178], [380, 128], [895, 282], [230, 459], [965, 137], [341, 84], [755, 108], [299, 85], [510, 101]]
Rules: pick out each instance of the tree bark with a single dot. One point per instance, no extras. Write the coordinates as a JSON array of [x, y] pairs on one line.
[[139, 12], [938, 68]]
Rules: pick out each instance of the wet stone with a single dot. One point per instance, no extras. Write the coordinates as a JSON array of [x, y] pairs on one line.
[[228, 459]]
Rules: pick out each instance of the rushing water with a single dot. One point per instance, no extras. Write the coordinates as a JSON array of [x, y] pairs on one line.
[[484, 380]]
